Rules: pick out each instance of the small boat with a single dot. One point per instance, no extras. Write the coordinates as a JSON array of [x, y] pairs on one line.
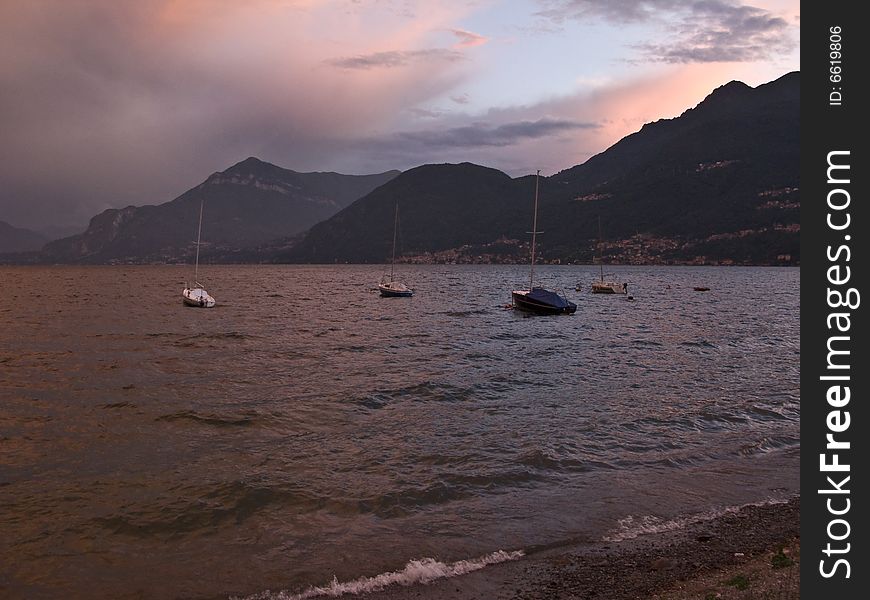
[[537, 299], [390, 288], [702, 289], [543, 302], [394, 289], [196, 295], [609, 287], [603, 286]]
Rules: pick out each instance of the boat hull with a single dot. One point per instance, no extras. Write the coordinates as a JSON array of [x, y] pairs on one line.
[[608, 287], [197, 298], [542, 302], [395, 291]]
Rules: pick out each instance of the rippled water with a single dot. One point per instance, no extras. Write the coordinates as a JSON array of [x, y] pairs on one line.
[[306, 427]]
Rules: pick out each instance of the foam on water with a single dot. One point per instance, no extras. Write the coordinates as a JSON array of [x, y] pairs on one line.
[[632, 526], [420, 571]]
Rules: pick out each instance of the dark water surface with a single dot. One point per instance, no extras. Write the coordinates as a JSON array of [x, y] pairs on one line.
[[306, 428]]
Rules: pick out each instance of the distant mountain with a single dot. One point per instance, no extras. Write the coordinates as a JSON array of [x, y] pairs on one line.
[[15, 239], [718, 184], [248, 204], [55, 232], [440, 206]]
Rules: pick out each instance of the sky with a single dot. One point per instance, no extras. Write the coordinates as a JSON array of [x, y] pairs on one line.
[[107, 103]]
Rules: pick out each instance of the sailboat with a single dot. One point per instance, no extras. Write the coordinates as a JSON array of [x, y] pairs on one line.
[[537, 299], [196, 295], [392, 288], [603, 286]]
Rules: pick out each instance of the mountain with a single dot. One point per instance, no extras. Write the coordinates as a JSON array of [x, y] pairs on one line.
[[15, 239], [727, 169], [440, 206], [248, 204], [718, 184]]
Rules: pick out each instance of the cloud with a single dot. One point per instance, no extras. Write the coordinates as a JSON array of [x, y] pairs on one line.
[[553, 134], [502, 145], [395, 58], [468, 39], [624, 11], [506, 140], [701, 31], [486, 134], [424, 113], [108, 103]]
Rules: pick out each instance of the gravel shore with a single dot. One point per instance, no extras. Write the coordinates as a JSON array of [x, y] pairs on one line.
[[751, 553]]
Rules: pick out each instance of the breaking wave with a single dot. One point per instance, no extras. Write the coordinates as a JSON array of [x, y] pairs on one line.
[[420, 571]]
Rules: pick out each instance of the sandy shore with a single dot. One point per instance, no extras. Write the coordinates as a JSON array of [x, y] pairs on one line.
[[750, 553]]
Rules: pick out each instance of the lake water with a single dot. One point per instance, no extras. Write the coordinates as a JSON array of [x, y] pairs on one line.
[[306, 428]]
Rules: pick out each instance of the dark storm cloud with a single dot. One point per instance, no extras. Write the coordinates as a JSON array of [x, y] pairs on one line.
[[703, 31], [484, 134], [395, 58], [105, 104], [507, 140]]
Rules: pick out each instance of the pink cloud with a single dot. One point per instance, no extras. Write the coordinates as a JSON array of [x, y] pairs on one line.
[[468, 39]]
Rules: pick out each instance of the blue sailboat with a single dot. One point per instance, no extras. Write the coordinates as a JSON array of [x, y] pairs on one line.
[[392, 288], [536, 299]]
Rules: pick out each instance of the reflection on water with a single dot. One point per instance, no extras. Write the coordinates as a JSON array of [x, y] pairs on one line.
[[306, 427]]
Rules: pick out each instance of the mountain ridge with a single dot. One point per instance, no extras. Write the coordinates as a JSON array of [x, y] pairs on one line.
[[18, 239], [247, 204], [718, 184]]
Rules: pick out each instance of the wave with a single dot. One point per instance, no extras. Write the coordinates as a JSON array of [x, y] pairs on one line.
[[426, 391], [632, 526], [119, 405], [698, 344], [416, 572], [197, 340], [540, 460], [446, 489], [215, 420], [466, 313], [769, 444], [202, 509]]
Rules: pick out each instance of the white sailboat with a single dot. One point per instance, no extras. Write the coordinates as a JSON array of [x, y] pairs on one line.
[[537, 299], [390, 288], [603, 286], [196, 295]]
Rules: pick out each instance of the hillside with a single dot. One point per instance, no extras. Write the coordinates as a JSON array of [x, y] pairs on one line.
[[248, 204], [440, 206], [16, 239]]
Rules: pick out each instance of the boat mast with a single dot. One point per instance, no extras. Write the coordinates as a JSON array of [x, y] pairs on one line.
[[395, 229], [198, 237], [600, 250], [534, 233]]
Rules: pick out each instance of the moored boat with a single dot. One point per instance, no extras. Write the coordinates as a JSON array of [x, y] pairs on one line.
[[196, 295], [536, 299], [603, 286], [389, 287]]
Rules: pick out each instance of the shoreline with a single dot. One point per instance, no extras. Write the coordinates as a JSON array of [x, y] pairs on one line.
[[731, 556]]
